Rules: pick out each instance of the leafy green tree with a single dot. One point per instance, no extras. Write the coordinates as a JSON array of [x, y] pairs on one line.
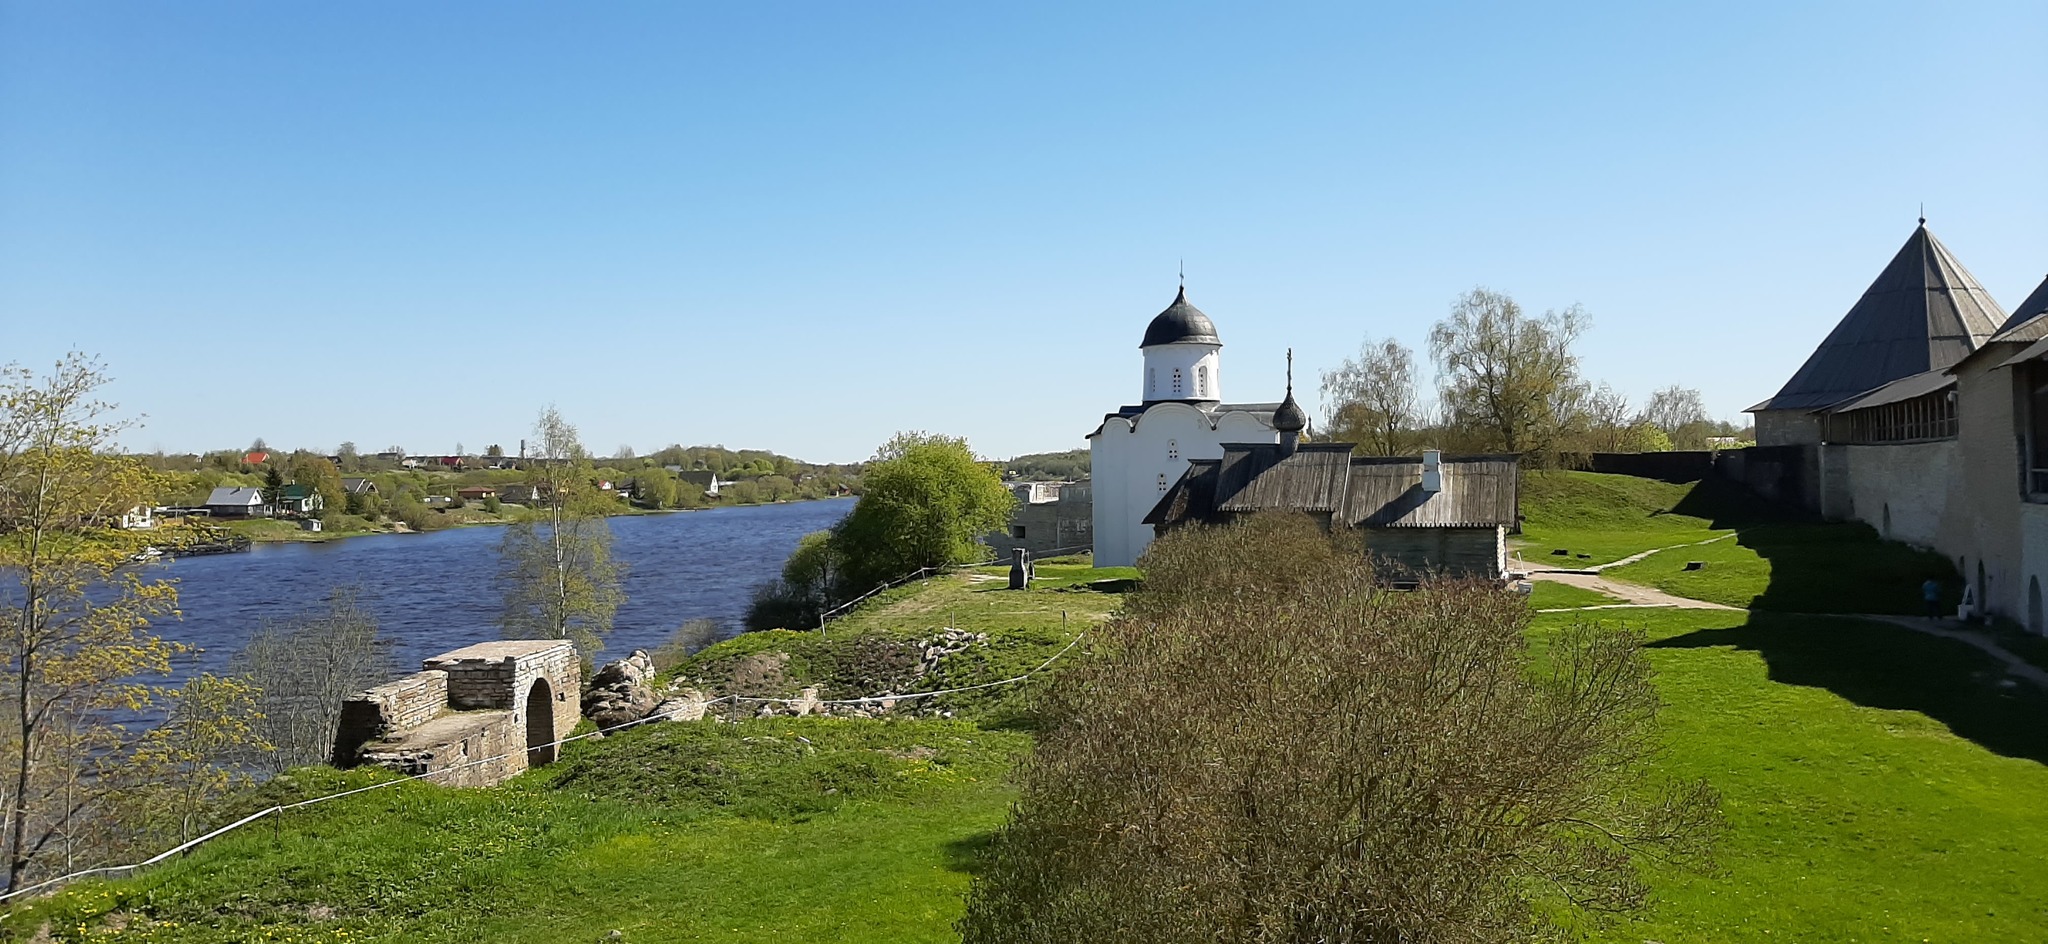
[[77, 650], [1508, 380], [655, 488], [185, 766], [559, 579], [495, 451], [323, 477], [926, 500]]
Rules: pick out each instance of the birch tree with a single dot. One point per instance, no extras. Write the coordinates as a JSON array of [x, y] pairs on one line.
[[558, 576], [77, 637]]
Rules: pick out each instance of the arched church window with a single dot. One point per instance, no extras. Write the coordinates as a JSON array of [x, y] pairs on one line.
[[1162, 481], [1173, 449], [1151, 380], [1202, 381], [1176, 382]]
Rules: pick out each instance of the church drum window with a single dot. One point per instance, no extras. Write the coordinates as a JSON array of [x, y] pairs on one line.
[[1162, 481], [1176, 383], [1202, 381], [1173, 449]]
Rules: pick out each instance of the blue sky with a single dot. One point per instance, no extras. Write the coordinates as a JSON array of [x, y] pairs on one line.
[[806, 226]]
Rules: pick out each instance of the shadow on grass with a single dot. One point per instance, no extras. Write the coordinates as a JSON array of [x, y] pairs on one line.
[[1882, 666], [965, 855], [1818, 566]]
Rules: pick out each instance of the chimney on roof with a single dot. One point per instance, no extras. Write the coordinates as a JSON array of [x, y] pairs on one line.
[[1432, 471]]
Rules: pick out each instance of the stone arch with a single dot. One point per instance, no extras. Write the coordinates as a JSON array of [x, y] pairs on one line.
[[2036, 622], [540, 724]]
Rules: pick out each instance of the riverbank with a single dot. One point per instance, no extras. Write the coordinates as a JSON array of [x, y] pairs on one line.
[[283, 531]]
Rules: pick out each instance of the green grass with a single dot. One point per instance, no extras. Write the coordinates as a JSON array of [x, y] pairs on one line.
[[1604, 517], [1551, 596], [1797, 568], [1878, 784], [792, 829]]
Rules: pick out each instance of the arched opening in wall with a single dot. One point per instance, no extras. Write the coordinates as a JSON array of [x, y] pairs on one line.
[[540, 724], [1177, 383], [1162, 481], [1173, 449], [2036, 622], [1202, 381], [1887, 532], [1151, 381]]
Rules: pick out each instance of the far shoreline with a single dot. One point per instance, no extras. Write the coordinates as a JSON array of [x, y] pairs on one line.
[[323, 537]]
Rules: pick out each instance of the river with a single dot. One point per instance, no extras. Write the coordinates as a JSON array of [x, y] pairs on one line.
[[436, 591]]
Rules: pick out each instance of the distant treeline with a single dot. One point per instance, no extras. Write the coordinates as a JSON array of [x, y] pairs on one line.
[[1066, 466]]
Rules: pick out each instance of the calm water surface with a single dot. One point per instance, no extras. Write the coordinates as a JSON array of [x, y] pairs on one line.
[[435, 592]]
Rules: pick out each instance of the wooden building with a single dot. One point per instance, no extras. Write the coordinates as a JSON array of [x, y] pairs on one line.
[[1420, 515]]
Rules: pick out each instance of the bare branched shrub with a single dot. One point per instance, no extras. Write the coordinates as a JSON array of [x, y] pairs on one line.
[[303, 666], [1272, 748]]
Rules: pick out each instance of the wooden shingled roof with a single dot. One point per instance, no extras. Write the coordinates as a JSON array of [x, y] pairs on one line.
[[1478, 492], [1362, 491]]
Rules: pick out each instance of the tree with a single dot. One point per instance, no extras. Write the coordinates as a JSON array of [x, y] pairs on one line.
[[1508, 378], [323, 477], [1607, 420], [184, 766], [810, 585], [926, 500], [1269, 747], [655, 488], [1674, 407], [623, 454], [495, 451], [273, 488], [350, 461], [303, 666], [559, 578], [1371, 400], [77, 645], [258, 445]]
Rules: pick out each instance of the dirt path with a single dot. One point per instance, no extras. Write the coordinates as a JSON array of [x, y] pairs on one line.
[[1631, 595]]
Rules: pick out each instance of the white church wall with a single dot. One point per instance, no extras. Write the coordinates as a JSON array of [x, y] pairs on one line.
[[1200, 367], [1137, 460]]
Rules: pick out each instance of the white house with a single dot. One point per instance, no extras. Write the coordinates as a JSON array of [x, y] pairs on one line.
[[230, 502], [1140, 451]]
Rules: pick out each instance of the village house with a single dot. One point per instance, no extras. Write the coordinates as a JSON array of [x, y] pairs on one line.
[[1924, 414], [358, 486], [471, 493], [230, 501], [299, 500]]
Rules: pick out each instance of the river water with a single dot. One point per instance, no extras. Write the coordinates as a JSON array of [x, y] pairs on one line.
[[436, 591]]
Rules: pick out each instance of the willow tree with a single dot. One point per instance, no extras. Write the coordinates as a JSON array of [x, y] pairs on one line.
[[77, 637], [559, 579], [1506, 379]]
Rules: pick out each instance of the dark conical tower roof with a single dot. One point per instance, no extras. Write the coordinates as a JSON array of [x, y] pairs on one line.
[[1180, 322], [1925, 312], [2029, 322]]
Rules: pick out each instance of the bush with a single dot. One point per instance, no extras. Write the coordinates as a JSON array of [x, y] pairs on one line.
[[491, 504], [1271, 747], [688, 640]]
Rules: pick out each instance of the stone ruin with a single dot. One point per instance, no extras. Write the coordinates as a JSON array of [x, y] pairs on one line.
[[499, 703]]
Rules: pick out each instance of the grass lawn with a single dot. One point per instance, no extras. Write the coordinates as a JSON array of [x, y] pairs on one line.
[[1605, 517], [770, 830], [1797, 568], [1552, 596], [1878, 784]]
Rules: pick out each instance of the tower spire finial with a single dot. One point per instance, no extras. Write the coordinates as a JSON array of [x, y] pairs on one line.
[[1290, 372], [1183, 273], [1923, 213]]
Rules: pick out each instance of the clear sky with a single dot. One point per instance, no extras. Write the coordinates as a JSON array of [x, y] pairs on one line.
[[806, 226]]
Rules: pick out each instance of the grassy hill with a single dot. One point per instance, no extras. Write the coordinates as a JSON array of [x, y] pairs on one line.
[[1879, 784]]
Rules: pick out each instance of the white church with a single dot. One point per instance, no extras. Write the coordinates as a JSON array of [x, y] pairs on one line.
[[1140, 451]]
